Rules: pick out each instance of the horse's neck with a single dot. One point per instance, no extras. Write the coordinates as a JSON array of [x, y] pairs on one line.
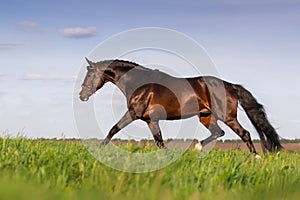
[[127, 78], [120, 76]]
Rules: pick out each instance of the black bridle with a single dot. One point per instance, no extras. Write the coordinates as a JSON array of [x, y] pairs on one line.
[[90, 87], [87, 86]]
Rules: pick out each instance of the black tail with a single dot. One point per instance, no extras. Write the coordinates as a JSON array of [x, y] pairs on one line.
[[256, 113]]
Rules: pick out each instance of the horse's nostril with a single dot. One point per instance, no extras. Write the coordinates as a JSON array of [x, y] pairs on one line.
[[83, 98]]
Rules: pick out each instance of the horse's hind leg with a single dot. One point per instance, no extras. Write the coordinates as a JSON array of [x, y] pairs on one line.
[[210, 122], [240, 131], [156, 132], [124, 121]]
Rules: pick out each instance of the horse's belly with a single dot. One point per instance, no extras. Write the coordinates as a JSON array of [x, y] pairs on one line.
[[173, 108]]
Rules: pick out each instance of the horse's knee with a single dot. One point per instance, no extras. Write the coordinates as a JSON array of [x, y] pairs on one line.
[[246, 136], [217, 131]]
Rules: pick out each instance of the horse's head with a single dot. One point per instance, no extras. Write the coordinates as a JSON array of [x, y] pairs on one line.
[[93, 81]]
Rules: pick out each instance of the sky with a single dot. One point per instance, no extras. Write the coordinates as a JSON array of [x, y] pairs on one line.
[[43, 44]]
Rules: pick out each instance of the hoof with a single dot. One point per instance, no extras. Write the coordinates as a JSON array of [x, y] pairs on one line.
[[164, 148], [198, 147], [104, 142], [257, 156]]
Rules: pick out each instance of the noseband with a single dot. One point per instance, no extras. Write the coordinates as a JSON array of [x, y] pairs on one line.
[[90, 87], [87, 86]]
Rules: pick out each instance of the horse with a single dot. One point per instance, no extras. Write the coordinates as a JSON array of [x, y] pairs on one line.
[[153, 95]]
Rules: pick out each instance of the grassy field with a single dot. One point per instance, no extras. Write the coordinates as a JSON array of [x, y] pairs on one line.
[[50, 169]]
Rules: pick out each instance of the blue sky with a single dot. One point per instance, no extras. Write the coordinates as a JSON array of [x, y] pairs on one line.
[[43, 44]]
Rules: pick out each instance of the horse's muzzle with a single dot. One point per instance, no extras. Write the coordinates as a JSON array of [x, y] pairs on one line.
[[84, 98]]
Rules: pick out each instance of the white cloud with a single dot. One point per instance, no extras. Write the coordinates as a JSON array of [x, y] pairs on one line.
[[34, 77], [2, 74], [79, 32], [30, 26], [26, 23], [7, 46]]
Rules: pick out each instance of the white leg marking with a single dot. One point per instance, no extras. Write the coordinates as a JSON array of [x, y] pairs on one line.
[[257, 156], [198, 147]]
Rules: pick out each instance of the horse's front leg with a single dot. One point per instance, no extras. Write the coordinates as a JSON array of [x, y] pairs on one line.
[[124, 121]]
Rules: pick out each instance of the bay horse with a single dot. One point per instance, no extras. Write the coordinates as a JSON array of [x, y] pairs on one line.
[[153, 95]]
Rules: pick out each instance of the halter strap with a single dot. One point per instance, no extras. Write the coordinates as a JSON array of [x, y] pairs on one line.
[[87, 86]]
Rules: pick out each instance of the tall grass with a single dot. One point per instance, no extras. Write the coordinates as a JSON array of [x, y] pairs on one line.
[[51, 169]]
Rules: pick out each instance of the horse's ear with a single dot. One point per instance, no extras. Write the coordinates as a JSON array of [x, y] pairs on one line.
[[91, 64]]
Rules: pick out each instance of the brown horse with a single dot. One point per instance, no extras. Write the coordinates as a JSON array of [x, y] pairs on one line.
[[153, 95]]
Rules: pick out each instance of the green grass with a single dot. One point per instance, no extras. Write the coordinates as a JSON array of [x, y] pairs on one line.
[[50, 169]]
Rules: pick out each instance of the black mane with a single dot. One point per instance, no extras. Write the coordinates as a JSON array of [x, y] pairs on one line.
[[121, 63]]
